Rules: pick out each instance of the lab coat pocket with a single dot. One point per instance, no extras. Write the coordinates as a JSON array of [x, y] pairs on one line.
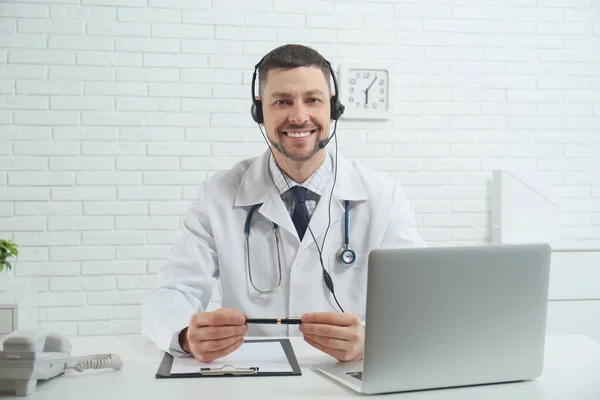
[[350, 284]]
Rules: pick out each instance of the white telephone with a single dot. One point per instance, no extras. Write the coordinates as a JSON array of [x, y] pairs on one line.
[[27, 355]]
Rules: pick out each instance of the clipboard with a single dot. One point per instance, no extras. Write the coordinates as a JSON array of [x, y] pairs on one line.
[[164, 369]]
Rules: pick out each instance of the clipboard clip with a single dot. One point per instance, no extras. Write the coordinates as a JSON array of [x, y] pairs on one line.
[[233, 371]]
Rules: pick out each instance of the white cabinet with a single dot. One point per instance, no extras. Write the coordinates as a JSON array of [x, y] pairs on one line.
[[7, 319], [18, 310], [574, 298]]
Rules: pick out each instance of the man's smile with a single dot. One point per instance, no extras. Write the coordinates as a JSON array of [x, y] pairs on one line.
[[298, 134]]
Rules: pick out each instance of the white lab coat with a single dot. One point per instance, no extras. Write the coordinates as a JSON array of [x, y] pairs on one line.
[[211, 246]]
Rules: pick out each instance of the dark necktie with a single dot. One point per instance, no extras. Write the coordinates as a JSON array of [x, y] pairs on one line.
[[300, 216]]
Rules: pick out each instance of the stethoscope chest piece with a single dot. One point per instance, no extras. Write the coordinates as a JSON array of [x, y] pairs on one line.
[[346, 257]]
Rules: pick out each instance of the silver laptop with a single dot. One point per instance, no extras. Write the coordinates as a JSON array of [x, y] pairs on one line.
[[451, 316]]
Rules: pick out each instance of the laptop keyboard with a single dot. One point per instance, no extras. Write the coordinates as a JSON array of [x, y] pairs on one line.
[[357, 375]]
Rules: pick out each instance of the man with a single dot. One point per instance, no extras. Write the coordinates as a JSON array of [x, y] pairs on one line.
[[286, 234]]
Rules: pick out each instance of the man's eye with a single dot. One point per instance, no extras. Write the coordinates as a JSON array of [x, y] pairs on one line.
[[315, 100], [279, 102]]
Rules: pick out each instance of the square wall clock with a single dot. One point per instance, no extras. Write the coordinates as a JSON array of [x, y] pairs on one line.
[[366, 90]]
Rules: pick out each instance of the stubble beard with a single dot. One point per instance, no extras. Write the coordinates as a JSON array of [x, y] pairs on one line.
[[299, 157]]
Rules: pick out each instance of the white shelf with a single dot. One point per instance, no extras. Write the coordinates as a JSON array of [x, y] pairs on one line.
[[582, 245]]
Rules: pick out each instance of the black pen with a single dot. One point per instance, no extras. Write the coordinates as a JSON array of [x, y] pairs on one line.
[[276, 321]]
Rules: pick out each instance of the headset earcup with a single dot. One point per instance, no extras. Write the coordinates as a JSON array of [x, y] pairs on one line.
[[256, 111], [337, 108]]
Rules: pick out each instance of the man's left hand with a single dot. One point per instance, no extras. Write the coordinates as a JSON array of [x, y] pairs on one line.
[[340, 335]]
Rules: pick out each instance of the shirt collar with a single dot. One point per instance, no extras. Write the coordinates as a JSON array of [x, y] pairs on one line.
[[316, 183]]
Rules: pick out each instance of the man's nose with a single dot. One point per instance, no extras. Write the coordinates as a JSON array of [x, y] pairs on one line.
[[298, 114]]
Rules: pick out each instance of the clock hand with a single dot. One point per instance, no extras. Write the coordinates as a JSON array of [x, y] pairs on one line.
[[374, 79], [367, 90]]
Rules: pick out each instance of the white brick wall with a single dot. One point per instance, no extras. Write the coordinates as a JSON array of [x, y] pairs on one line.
[[112, 112]]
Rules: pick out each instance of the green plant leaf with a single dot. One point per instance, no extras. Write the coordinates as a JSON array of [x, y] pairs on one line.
[[13, 249], [7, 249]]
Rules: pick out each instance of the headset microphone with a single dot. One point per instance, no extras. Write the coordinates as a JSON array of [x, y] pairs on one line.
[[325, 142]]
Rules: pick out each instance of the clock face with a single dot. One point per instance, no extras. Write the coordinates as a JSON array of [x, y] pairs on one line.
[[367, 89]]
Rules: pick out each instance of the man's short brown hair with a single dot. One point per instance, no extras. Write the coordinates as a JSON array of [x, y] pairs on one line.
[[292, 56]]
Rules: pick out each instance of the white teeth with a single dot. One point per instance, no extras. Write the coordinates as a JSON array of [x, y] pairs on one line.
[[298, 134]]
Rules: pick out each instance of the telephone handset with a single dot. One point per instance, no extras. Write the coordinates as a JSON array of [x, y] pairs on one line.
[[28, 355]]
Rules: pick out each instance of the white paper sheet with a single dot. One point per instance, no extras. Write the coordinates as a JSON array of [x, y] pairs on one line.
[[267, 356]]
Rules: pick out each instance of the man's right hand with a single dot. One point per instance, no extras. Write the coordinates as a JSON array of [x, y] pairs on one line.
[[213, 335]]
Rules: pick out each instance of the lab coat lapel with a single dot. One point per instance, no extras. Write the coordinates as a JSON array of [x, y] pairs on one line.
[[257, 187], [348, 186]]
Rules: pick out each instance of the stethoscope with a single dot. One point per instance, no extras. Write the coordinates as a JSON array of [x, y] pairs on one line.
[[345, 256]]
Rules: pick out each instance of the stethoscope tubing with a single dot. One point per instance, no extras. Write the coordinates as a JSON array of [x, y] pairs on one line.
[[345, 250]]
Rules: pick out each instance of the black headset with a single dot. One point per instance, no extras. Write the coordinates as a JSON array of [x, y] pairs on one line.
[[337, 108]]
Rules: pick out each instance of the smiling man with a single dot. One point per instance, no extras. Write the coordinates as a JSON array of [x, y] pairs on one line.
[[285, 234], [297, 135]]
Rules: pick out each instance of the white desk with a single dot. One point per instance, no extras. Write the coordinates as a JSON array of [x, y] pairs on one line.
[[571, 372]]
